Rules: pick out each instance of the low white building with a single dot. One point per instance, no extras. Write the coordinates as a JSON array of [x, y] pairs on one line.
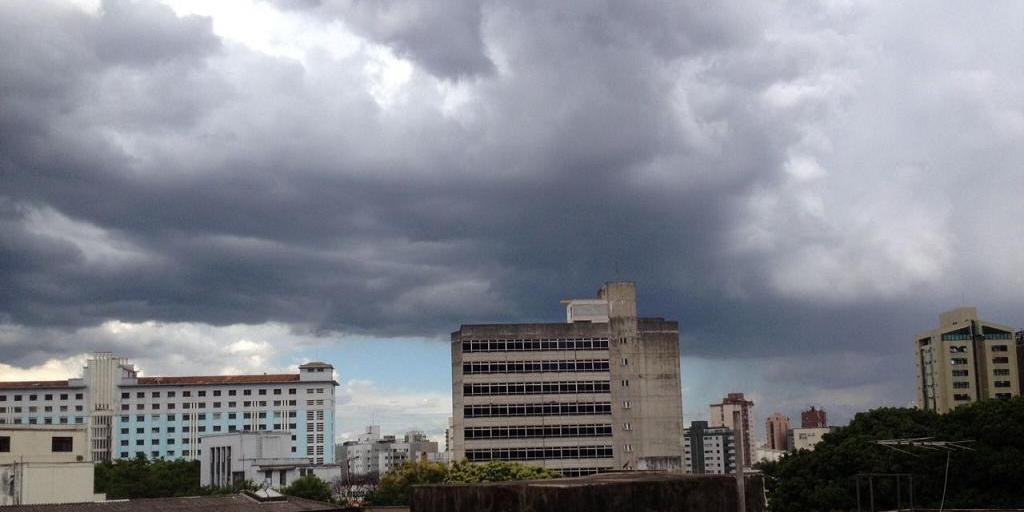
[[806, 438], [372, 454], [45, 465], [264, 458]]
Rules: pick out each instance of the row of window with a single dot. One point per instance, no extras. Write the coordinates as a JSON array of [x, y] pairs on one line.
[[574, 365], [534, 345], [202, 416], [217, 392], [536, 388], [218, 405], [215, 428], [1002, 383], [33, 408], [575, 472], [535, 431], [63, 396], [552, 409], [62, 420], [548, 453]]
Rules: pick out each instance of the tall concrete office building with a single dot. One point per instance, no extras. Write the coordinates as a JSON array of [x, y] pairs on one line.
[[599, 392], [966, 359], [775, 428], [721, 415], [127, 415]]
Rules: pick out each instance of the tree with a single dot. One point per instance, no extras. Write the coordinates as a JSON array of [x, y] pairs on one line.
[[823, 479], [309, 487], [395, 487], [141, 478]]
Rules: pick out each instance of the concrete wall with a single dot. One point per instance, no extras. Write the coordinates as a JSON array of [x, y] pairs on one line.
[[45, 483], [35, 444], [618, 492]]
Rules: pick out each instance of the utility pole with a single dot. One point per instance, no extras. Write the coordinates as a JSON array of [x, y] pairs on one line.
[[741, 494]]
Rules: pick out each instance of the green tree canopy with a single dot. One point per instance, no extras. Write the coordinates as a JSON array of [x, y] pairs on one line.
[[990, 476], [309, 487], [395, 487]]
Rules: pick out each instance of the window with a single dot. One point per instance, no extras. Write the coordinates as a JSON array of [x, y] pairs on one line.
[[61, 444], [961, 385], [63, 396], [5, 444], [202, 392], [961, 373], [1001, 360], [232, 392], [33, 397], [998, 348], [1001, 372], [277, 391], [171, 394], [50, 397], [186, 393], [216, 392], [247, 392], [262, 392]]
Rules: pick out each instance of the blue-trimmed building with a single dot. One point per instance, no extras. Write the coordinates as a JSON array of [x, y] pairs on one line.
[[166, 417]]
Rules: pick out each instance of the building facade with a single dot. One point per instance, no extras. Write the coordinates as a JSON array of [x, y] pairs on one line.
[[261, 457], [806, 438], [164, 417], [965, 360], [597, 393], [373, 454], [709, 450], [45, 464], [775, 429], [813, 418], [721, 415]]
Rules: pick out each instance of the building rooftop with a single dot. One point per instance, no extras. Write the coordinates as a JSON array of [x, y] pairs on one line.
[[230, 503], [218, 379], [36, 384], [315, 364]]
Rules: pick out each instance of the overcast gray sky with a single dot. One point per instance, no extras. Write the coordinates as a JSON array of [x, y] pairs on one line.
[[240, 185]]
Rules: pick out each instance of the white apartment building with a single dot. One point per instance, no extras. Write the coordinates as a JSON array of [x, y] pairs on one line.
[[806, 438], [709, 450], [373, 454], [45, 465], [164, 417], [263, 458]]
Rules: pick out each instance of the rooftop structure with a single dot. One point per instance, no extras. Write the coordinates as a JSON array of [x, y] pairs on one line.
[[45, 465], [600, 392], [609, 492], [127, 414], [247, 502]]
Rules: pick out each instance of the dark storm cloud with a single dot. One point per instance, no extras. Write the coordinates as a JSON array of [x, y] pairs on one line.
[[758, 173]]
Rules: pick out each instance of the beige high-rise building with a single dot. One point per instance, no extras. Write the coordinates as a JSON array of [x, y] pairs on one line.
[[775, 428], [966, 359], [721, 415], [599, 392]]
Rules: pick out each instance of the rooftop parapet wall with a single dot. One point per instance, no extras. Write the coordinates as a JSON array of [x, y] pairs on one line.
[[619, 492]]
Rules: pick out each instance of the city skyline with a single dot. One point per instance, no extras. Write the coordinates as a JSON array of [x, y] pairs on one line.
[[241, 186]]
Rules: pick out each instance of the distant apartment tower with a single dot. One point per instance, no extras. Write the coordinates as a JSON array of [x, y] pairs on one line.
[[373, 454], [965, 360], [127, 415], [721, 415], [1020, 358], [813, 418], [775, 429], [600, 392], [709, 450]]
